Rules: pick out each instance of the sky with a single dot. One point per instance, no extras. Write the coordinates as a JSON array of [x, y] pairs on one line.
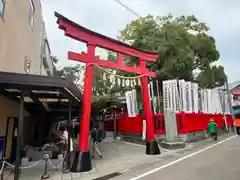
[[108, 18]]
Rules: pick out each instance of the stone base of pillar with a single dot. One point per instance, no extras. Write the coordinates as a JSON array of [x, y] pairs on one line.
[[152, 148], [172, 145], [82, 162]]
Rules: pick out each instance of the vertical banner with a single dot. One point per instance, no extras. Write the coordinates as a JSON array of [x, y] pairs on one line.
[[149, 91], [200, 101], [195, 96], [174, 95], [131, 101], [183, 101], [205, 103], [209, 100], [227, 109], [170, 96], [134, 102], [189, 96], [216, 102], [153, 99], [144, 130], [166, 96], [219, 103]]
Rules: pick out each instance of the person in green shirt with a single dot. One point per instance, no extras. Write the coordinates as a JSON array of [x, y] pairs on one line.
[[213, 129]]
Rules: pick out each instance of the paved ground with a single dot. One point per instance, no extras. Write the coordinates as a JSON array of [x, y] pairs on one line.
[[117, 157], [208, 161], [128, 161]]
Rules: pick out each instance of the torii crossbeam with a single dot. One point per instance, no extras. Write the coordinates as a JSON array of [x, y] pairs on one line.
[[93, 40]]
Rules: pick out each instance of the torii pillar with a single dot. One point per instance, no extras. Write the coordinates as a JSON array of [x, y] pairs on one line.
[[83, 161]]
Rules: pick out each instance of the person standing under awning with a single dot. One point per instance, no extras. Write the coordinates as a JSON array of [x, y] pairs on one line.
[[65, 139]]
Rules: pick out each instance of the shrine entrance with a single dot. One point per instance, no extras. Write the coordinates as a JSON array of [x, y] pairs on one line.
[[82, 161]]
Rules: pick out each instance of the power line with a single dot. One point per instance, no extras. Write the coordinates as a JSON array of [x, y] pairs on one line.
[[128, 8]]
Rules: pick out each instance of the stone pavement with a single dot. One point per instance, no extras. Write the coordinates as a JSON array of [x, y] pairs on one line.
[[118, 156]]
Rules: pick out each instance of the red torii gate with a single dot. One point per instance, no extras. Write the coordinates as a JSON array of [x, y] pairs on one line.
[[93, 40]]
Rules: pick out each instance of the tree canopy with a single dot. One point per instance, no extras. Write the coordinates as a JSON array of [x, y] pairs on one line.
[[186, 51], [73, 73]]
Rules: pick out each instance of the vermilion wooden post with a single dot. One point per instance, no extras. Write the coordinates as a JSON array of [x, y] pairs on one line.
[[87, 101], [82, 162], [151, 144], [147, 109]]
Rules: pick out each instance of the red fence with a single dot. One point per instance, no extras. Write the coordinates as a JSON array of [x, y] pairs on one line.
[[192, 122], [186, 123]]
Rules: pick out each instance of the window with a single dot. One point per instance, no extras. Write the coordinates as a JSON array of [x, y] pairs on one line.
[[27, 65], [31, 13], [2, 7], [46, 49]]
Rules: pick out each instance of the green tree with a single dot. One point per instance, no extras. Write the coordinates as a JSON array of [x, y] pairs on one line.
[[183, 44], [212, 77], [72, 73]]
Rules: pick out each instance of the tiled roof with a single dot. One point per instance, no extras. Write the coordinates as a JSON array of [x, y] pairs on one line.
[[232, 85]]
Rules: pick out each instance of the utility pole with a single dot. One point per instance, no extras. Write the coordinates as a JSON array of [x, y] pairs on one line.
[[222, 102], [229, 102]]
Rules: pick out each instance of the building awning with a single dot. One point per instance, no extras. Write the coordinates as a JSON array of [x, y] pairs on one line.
[[41, 93], [236, 91]]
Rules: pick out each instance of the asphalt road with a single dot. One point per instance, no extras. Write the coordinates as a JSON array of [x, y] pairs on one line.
[[215, 161]]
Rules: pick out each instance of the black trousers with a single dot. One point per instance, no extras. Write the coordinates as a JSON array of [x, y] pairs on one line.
[[65, 163], [238, 130], [214, 136]]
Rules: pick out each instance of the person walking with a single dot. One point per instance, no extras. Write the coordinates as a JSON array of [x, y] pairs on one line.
[[213, 129], [96, 138], [65, 139]]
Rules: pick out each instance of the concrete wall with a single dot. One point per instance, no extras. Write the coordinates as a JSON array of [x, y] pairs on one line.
[[18, 39]]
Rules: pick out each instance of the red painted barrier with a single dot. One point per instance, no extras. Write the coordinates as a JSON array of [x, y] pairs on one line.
[[192, 122], [126, 124], [186, 123], [159, 123], [131, 124]]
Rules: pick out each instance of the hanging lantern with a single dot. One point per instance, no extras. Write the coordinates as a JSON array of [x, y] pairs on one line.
[[123, 83], [104, 77], [119, 81], [127, 83], [108, 77], [139, 82], [113, 80], [132, 82]]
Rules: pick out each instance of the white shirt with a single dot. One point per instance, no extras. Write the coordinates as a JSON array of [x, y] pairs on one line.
[[65, 135]]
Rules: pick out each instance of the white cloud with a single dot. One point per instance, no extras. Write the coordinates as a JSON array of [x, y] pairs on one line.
[[108, 18]]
